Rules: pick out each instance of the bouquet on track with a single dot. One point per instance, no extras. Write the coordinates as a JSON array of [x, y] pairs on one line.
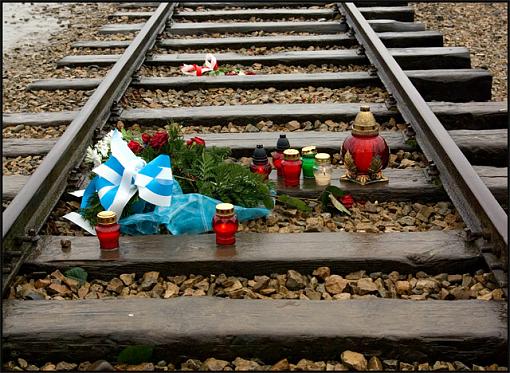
[[211, 68], [161, 180]]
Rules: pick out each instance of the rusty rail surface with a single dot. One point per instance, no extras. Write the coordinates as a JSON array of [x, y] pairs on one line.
[[32, 205], [483, 215]]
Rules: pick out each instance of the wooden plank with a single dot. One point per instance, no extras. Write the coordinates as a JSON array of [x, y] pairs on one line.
[[405, 185], [26, 146], [201, 327], [210, 15], [11, 185], [84, 84], [137, 5], [44, 119], [254, 254], [487, 147], [411, 39], [379, 25], [481, 147], [390, 40], [101, 44], [483, 115], [434, 85], [407, 58], [131, 15], [496, 178], [402, 13], [432, 58], [460, 85], [471, 115], [398, 13], [255, 4]]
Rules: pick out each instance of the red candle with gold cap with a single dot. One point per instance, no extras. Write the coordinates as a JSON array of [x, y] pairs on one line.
[[107, 230], [291, 167], [225, 224], [365, 152]]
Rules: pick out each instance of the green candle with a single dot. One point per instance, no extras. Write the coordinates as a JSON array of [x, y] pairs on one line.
[[308, 158]]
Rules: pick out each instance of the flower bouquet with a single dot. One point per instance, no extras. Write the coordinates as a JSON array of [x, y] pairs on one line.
[[211, 68], [160, 180]]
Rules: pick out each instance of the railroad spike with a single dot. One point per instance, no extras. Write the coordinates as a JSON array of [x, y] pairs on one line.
[[65, 245], [360, 51], [372, 70], [391, 103], [432, 170], [473, 236], [13, 253], [135, 78], [409, 132]]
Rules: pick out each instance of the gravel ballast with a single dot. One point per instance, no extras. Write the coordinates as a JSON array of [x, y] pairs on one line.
[[366, 216], [250, 51], [346, 361], [257, 68], [319, 285], [481, 27], [36, 60], [145, 98]]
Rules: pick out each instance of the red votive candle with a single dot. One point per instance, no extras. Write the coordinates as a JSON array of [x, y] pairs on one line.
[[107, 230], [225, 224], [281, 145], [291, 167], [260, 164]]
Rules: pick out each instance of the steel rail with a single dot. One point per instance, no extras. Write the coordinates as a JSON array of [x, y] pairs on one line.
[[32, 205], [481, 212]]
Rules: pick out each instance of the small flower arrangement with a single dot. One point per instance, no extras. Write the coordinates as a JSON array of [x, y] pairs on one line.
[[99, 152]]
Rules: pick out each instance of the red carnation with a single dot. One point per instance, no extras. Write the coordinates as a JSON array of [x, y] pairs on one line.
[[196, 140], [231, 73], [347, 200], [249, 73], [135, 147], [159, 139], [146, 138], [199, 140]]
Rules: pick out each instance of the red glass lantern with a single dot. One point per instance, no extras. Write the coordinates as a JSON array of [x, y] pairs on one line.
[[291, 167], [260, 164], [107, 230], [365, 152], [225, 224], [281, 145]]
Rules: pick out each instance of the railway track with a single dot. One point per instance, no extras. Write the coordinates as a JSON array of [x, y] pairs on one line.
[[453, 129]]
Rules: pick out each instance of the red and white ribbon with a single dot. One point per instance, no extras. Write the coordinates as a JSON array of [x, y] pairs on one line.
[[210, 64]]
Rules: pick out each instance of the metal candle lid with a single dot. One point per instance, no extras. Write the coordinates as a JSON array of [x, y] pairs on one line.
[[225, 209], [282, 143], [259, 155], [106, 217], [322, 158], [307, 150], [291, 155], [364, 123]]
